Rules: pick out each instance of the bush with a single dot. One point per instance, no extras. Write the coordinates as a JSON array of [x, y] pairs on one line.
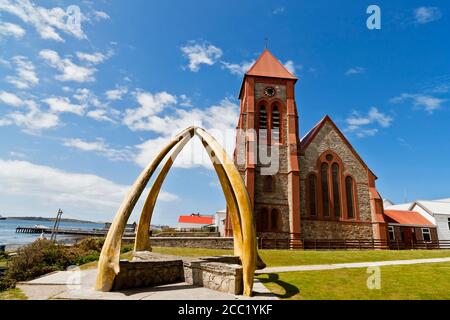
[[91, 244], [37, 259], [45, 256]]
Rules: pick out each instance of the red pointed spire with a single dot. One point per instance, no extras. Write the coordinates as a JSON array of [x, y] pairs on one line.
[[269, 66]]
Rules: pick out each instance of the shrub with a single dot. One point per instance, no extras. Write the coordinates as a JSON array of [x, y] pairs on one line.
[[91, 244], [37, 259]]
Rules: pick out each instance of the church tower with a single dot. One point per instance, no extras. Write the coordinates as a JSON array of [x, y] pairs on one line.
[[267, 144]]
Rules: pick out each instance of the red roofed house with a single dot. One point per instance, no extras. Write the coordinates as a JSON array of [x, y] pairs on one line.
[[409, 227], [194, 222]]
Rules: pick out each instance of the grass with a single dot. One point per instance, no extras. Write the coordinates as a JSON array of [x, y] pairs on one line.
[[276, 258], [13, 294], [405, 282]]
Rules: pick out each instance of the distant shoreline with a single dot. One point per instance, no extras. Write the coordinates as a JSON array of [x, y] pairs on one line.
[[51, 219]]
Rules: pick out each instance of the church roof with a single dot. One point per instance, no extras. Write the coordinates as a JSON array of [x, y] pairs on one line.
[[309, 137], [269, 66]]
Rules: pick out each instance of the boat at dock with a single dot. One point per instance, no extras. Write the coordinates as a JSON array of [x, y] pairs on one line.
[[2, 218]]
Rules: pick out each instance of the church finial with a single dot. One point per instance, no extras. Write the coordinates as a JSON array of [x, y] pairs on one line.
[[266, 40]]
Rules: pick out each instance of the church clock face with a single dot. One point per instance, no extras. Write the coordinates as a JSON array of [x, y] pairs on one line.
[[270, 91]]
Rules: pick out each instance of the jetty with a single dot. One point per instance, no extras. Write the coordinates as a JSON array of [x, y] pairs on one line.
[[72, 232]]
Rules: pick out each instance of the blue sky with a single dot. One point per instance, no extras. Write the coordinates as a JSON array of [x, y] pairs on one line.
[[82, 109]]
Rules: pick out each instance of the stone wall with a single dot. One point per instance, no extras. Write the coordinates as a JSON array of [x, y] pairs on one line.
[[138, 274], [217, 273], [335, 230], [200, 242]]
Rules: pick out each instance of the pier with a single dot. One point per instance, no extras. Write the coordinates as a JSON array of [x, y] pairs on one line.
[[73, 232]]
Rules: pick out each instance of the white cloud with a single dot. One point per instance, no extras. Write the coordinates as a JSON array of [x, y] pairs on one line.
[[100, 147], [427, 102], [11, 30], [219, 120], [291, 66], [87, 98], [238, 69], [69, 71], [32, 120], [116, 94], [200, 53], [26, 76], [47, 22], [358, 123], [425, 15], [63, 104], [150, 104], [185, 101], [101, 115], [355, 70], [278, 10], [83, 195], [101, 15], [94, 58], [10, 99]]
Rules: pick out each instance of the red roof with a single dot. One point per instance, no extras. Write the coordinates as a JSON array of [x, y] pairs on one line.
[[269, 66], [196, 219], [407, 217]]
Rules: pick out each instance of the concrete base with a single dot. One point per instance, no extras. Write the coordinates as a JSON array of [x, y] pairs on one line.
[[79, 284], [217, 273], [146, 270]]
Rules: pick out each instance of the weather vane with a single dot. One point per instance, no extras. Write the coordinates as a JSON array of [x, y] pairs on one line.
[[266, 40]]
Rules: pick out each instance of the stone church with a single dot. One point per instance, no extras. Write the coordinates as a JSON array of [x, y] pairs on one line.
[[322, 189]]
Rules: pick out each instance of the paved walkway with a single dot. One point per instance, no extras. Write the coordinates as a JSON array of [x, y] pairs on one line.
[[349, 265], [78, 285]]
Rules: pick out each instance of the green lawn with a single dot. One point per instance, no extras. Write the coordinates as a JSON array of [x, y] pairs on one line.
[[275, 258], [13, 294], [406, 282]]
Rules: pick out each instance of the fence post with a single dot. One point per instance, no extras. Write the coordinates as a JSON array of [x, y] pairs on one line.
[[398, 245]]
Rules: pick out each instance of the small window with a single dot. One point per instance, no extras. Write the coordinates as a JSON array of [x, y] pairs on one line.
[[448, 223], [263, 220], [325, 189], [391, 233], [269, 184], [274, 221], [336, 194], [275, 124], [350, 197], [312, 193], [262, 123], [426, 234]]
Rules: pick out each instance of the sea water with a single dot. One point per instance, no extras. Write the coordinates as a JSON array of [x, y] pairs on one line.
[[13, 240]]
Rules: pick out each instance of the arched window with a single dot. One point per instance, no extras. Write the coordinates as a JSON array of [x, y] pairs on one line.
[[264, 220], [325, 189], [350, 194], [336, 189], [275, 124], [262, 123], [274, 220], [269, 184], [312, 194]]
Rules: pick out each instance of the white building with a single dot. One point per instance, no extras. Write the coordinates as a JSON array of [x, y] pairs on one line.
[[436, 211], [220, 220]]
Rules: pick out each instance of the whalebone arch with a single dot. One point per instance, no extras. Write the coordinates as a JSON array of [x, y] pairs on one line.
[[233, 187]]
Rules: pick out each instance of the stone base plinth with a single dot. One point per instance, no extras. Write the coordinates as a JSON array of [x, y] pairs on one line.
[[143, 271], [148, 269], [217, 273]]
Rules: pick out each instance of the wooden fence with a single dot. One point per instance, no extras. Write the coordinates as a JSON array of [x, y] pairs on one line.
[[283, 241]]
